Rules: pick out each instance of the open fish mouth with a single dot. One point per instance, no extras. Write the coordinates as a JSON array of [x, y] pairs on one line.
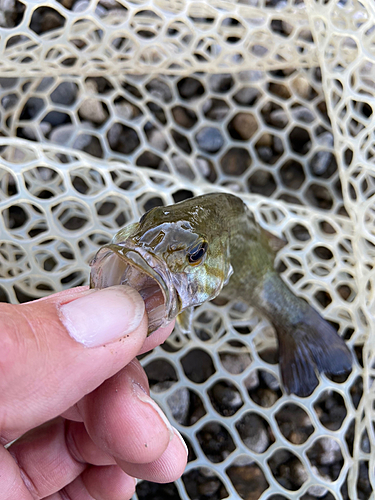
[[123, 264]]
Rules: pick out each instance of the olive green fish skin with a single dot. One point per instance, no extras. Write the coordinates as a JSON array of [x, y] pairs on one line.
[[239, 250]]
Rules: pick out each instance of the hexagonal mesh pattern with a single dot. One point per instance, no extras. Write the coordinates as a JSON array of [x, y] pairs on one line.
[[109, 108]]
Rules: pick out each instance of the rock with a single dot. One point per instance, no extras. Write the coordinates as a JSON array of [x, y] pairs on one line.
[[221, 82], [267, 398], [329, 451], [260, 177], [252, 381], [215, 109], [302, 86], [92, 109], [245, 125], [7, 13], [298, 472], [317, 490], [253, 432], [45, 127], [235, 363], [321, 161], [9, 101], [109, 4], [81, 5], [209, 139], [184, 117], [326, 139], [179, 402], [46, 21], [248, 480], [225, 398], [65, 93], [271, 380], [114, 134], [62, 134], [278, 118], [162, 386], [303, 114], [159, 89], [183, 167], [246, 96], [158, 140]]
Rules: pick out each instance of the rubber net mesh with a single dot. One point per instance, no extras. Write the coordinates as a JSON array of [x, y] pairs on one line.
[[109, 108]]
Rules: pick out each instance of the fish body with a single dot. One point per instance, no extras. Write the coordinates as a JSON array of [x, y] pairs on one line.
[[182, 255]]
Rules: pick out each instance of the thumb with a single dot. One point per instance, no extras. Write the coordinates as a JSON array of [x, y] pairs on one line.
[[54, 351]]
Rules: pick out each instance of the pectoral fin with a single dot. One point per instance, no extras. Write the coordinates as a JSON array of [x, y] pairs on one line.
[[274, 241], [185, 320]]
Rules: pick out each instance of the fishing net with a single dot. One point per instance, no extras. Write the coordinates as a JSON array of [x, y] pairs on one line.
[[109, 108]]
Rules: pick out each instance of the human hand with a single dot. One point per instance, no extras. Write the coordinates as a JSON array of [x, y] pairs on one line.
[[69, 380]]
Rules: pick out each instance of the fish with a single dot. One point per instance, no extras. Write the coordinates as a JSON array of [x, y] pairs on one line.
[[180, 256]]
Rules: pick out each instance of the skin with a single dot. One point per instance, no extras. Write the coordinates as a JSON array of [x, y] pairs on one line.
[[220, 229], [82, 415]]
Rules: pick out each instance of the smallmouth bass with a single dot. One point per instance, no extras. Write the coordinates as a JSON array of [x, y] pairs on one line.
[[182, 255]]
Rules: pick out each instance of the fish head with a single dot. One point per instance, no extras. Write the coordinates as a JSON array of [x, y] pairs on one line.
[[175, 260]]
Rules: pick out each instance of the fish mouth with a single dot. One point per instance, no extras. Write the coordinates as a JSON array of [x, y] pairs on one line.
[[124, 264]]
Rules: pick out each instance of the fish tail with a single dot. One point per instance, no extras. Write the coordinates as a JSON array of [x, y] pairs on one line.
[[308, 344], [309, 348]]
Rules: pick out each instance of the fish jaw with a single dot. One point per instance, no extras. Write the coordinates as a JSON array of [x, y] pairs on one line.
[[126, 264]]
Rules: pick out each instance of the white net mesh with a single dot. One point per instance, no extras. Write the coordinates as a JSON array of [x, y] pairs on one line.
[[110, 108]]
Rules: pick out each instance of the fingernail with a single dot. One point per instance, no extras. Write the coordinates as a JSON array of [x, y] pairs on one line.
[[103, 316], [176, 432], [145, 398]]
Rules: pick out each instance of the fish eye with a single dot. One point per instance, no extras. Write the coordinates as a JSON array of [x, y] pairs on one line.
[[197, 252]]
